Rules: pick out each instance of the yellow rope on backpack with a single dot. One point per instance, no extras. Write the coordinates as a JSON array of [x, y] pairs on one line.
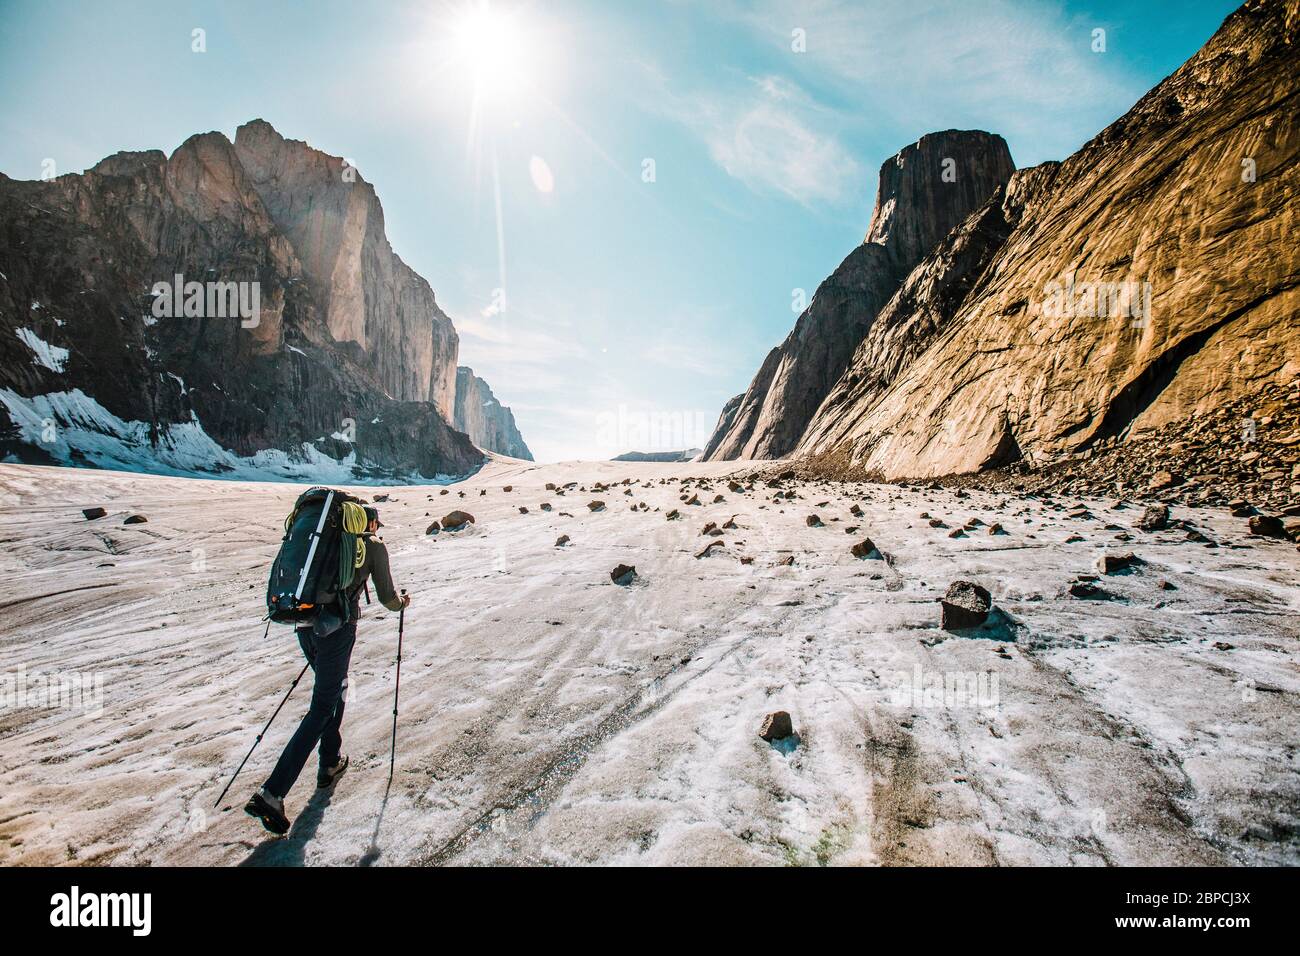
[[352, 553]]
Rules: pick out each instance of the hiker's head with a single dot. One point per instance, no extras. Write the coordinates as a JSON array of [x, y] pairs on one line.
[[373, 523]]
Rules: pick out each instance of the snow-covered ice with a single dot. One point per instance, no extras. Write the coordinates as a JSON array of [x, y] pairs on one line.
[[73, 427], [49, 356], [549, 716]]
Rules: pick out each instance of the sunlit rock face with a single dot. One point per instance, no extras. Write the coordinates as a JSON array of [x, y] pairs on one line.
[[336, 225], [1148, 279], [925, 191], [348, 368], [487, 422]]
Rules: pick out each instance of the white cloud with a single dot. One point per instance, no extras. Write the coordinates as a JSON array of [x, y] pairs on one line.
[[1016, 67], [767, 133]]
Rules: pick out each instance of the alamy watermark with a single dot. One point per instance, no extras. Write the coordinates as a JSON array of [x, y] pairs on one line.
[[60, 690], [977, 690], [676, 430], [1069, 299], [208, 300]]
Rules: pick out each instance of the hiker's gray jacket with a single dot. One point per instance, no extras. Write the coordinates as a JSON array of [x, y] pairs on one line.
[[375, 568]]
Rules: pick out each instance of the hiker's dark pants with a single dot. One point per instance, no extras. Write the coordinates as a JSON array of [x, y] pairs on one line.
[[329, 658]]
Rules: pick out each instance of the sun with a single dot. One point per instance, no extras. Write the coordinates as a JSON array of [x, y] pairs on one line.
[[489, 44]]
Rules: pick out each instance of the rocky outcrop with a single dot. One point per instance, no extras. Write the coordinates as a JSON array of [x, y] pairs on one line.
[[335, 223], [487, 422], [1147, 280], [688, 454], [91, 374], [723, 428], [925, 191]]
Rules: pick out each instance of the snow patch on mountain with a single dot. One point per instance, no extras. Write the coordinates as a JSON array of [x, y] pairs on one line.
[[50, 356], [74, 429]]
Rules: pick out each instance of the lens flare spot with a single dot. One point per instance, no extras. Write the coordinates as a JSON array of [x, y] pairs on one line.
[[541, 173]]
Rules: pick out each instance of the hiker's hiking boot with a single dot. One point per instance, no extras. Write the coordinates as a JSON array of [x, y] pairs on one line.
[[270, 810], [326, 776]]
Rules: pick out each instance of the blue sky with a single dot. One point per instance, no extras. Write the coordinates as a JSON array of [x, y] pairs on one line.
[[634, 308]]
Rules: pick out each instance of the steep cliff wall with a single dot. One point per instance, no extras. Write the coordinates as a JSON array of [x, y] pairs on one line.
[[1148, 279], [925, 190], [90, 374], [487, 422]]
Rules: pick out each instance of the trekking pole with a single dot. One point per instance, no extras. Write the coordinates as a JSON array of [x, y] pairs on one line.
[[262, 734], [397, 686]]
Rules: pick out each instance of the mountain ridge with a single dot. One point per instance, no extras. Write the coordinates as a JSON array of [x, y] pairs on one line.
[[347, 372]]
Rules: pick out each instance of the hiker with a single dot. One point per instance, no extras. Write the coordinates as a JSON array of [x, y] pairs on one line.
[[328, 654]]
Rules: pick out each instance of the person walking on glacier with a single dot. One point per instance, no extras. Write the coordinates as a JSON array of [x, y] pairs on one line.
[[328, 656]]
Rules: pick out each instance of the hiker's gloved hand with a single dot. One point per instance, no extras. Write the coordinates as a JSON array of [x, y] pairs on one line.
[[406, 600]]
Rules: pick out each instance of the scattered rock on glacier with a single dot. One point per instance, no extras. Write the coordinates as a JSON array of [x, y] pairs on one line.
[[965, 604], [1155, 518], [456, 520], [776, 726], [623, 574], [596, 505], [1268, 526], [93, 513], [813, 521], [136, 519], [865, 548], [708, 548], [1115, 563], [562, 540]]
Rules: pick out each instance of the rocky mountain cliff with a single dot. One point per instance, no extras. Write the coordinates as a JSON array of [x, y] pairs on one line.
[[925, 190], [487, 422], [346, 372], [1148, 279]]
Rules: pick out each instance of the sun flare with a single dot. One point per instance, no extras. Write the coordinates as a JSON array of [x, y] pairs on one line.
[[490, 44]]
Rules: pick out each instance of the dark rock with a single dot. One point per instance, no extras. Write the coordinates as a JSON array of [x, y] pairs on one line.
[[623, 574], [562, 540], [456, 520], [136, 519], [965, 604], [1155, 518], [1268, 526], [865, 548], [776, 726], [1115, 563]]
